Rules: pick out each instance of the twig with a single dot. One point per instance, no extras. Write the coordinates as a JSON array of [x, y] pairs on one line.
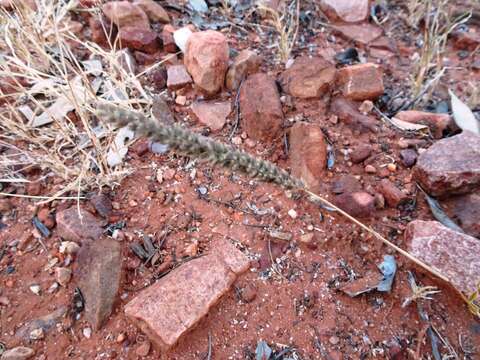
[[42, 197]]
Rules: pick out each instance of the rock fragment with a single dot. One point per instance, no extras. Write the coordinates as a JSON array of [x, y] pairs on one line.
[[465, 210], [450, 166], [392, 194], [261, 107], [361, 34], [361, 82], [348, 113], [358, 204], [453, 254], [124, 13], [72, 227], [140, 39], [177, 77], [18, 353], [172, 306], [246, 63], [437, 123], [212, 114], [308, 154], [154, 10], [350, 11]]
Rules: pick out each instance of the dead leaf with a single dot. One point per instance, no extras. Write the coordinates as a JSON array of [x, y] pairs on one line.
[[404, 125], [463, 116], [119, 149]]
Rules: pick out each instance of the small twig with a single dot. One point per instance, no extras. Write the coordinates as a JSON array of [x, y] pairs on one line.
[[42, 197], [209, 355], [237, 111]]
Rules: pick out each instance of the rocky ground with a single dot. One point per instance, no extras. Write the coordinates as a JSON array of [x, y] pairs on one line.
[[184, 260]]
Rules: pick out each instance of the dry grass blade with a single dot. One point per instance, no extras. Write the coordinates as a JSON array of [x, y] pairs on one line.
[[189, 143]]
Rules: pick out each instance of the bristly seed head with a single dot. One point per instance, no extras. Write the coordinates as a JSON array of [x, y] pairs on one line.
[[191, 144]]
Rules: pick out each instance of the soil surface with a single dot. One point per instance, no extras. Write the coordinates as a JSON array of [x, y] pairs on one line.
[[296, 303]]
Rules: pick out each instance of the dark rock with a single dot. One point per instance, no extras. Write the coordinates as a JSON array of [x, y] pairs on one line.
[[261, 108], [72, 227], [135, 38], [450, 166], [161, 111], [102, 204], [99, 271], [408, 157], [451, 253], [45, 323], [465, 210], [308, 154]]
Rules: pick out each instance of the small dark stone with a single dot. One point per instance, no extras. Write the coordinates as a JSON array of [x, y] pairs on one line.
[[102, 204], [408, 157]]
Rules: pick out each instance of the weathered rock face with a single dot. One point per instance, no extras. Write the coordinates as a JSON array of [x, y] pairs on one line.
[[212, 114], [450, 166], [261, 108], [247, 62], [361, 34], [393, 195], [206, 59], [308, 77], [348, 113], [175, 304], [437, 123], [361, 82], [99, 271], [154, 11], [453, 254], [358, 204], [308, 154], [73, 228], [465, 209], [139, 39], [345, 10], [177, 77], [124, 13], [18, 353]]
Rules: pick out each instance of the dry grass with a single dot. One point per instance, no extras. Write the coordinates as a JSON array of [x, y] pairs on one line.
[[39, 57], [438, 24], [285, 25]]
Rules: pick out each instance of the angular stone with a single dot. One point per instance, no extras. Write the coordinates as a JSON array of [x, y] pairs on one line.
[[450, 166], [247, 62], [167, 39], [465, 210], [99, 271], [360, 153], [408, 157], [453, 254], [212, 114], [308, 154], [72, 227], [346, 184], [350, 11], [361, 82], [392, 194], [18, 353], [206, 59], [172, 306], [261, 107], [437, 123], [102, 204], [161, 111], [466, 40], [124, 13], [358, 204], [102, 32], [154, 10], [308, 77], [362, 34], [135, 38], [46, 323], [348, 113], [177, 77]]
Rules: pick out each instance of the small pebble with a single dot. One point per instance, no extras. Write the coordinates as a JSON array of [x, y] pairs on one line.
[[87, 332], [121, 338], [292, 213], [63, 275], [181, 100], [69, 247], [237, 140], [370, 169], [36, 289], [392, 167], [159, 176], [37, 334], [334, 340], [143, 349]]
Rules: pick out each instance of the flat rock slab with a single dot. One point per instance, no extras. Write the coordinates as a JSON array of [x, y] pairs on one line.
[[99, 272], [177, 302], [453, 254], [212, 113], [362, 34], [450, 166], [345, 10], [77, 226]]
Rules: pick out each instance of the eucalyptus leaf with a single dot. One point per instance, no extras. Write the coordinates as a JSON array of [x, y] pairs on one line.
[[263, 351], [440, 215], [463, 116]]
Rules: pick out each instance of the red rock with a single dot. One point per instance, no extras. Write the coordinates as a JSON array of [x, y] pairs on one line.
[[73, 228], [158, 77], [465, 210], [261, 108], [361, 34], [99, 272], [308, 154], [124, 13], [34, 188], [350, 11], [348, 112], [177, 77], [358, 204], [154, 11], [139, 39], [408, 157], [308, 77], [102, 204], [466, 40], [346, 184], [246, 63], [212, 114], [46, 217], [437, 123], [168, 40], [144, 59], [6, 205], [206, 59], [361, 82], [450, 166], [453, 254], [101, 31], [172, 306], [393, 195], [360, 153], [249, 293]]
